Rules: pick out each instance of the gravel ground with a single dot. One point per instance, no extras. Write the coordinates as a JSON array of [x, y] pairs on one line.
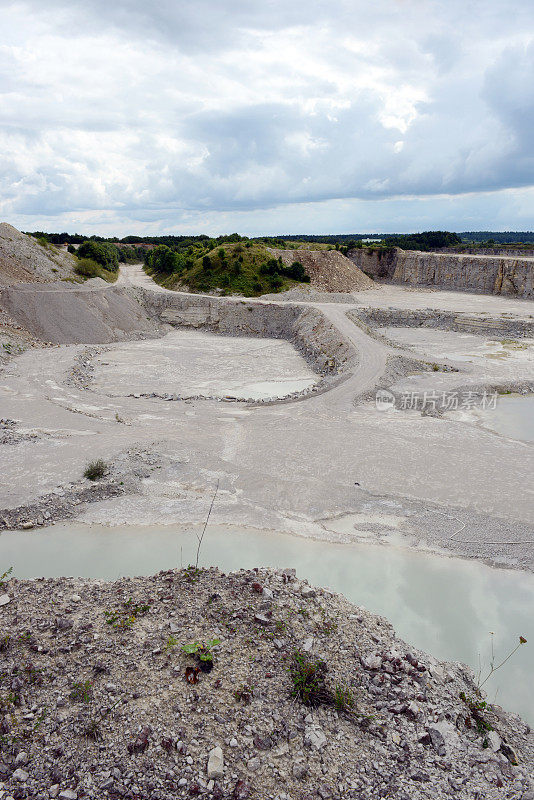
[[99, 700]]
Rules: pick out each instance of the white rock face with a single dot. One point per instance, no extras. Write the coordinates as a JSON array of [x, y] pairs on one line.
[[215, 763]]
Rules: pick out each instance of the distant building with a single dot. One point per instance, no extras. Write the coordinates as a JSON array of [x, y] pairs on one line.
[[371, 241]]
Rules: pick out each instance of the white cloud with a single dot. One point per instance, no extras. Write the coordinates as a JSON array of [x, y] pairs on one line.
[[123, 113]]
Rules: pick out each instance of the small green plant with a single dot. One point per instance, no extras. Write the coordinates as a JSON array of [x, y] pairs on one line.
[[244, 694], [32, 674], [308, 677], [201, 649], [343, 698], [192, 573], [172, 641], [82, 691], [92, 730], [125, 616], [327, 625], [5, 577], [95, 470], [476, 709]]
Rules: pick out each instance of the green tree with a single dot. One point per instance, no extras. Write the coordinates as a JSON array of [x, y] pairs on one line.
[[104, 253]]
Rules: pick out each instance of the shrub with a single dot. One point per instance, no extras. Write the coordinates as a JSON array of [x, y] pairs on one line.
[[71, 248], [275, 281], [95, 470], [88, 268], [297, 272], [163, 259], [104, 253]]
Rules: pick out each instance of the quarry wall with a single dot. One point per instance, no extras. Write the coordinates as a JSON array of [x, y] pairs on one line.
[[487, 274], [307, 328]]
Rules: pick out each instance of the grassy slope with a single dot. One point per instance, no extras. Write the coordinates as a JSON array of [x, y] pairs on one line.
[[237, 272]]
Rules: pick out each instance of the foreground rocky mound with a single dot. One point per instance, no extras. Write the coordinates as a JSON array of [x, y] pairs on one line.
[[285, 691], [24, 260], [329, 270]]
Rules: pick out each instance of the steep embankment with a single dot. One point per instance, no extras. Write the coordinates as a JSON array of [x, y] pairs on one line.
[[303, 691], [329, 270], [488, 274], [24, 260], [63, 314]]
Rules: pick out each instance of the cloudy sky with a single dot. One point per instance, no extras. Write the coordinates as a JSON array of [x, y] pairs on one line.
[[266, 116]]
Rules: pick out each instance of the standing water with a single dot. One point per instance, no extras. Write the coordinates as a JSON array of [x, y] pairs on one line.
[[513, 417], [446, 606]]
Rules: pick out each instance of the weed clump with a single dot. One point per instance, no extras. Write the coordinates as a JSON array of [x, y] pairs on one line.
[[308, 676], [343, 698], [95, 470]]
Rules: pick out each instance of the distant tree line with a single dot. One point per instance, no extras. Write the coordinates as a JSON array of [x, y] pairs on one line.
[[192, 245], [502, 237]]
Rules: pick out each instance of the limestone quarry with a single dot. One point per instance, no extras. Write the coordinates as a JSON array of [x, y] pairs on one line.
[[350, 413]]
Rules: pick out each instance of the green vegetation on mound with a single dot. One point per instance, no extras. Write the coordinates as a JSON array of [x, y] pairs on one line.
[[87, 268], [242, 268], [97, 260]]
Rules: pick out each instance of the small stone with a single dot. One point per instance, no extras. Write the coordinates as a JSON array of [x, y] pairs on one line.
[[510, 754], [20, 775], [494, 741], [413, 709], [4, 599], [307, 591], [68, 794], [54, 790], [299, 771], [267, 594], [438, 741], [261, 619], [21, 759], [215, 763], [253, 764], [75, 598], [241, 791], [314, 737], [233, 742], [307, 644], [26, 526], [373, 662]]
